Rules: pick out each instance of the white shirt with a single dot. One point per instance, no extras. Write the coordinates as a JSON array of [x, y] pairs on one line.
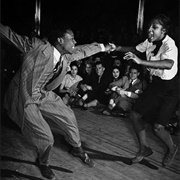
[[133, 81], [68, 80], [56, 56], [171, 53]]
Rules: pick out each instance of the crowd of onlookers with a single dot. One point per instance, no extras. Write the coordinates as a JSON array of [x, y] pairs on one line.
[[108, 83], [106, 80]]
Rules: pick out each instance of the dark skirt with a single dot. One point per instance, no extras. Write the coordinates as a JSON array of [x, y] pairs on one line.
[[159, 100]]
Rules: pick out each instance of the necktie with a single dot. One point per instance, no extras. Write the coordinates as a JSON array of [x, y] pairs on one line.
[[53, 82], [58, 68], [158, 45], [130, 84]]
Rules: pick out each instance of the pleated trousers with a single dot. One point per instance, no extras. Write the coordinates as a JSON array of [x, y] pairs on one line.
[[50, 113]]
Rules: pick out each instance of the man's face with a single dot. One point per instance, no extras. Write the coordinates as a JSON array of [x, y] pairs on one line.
[[156, 31], [68, 43], [117, 62], [88, 68], [133, 74], [99, 69]]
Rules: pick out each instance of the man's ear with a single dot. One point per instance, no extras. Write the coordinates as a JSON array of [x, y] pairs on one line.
[[164, 30], [60, 40]]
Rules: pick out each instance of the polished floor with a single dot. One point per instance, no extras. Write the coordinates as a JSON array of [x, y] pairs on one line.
[[110, 142]]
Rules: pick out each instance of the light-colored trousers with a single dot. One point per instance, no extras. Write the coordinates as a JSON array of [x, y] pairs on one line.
[[51, 112]]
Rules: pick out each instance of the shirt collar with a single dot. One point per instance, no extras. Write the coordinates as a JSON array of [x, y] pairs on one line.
[[166, 38], [133, 81], [56, 54]]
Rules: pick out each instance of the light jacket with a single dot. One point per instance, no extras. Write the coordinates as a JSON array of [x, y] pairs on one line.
[[29, 83]]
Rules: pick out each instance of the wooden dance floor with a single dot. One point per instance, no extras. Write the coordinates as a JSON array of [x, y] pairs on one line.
[[110, 142]]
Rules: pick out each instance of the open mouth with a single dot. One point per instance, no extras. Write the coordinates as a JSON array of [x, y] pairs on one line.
[[150, 37]]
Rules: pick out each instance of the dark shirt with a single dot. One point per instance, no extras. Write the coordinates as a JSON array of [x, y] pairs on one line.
[[99, 86]]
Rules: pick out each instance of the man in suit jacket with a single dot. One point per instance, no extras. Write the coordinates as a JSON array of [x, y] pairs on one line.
[[30, 101], [125, 91], [98, 83]]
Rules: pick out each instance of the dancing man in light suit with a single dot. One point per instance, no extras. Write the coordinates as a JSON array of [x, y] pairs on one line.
[[30, 101]]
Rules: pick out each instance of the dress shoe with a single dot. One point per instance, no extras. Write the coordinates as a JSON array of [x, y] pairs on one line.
[[170, 157], [79, 152], [45, 170], [147, 151], [118, 113]]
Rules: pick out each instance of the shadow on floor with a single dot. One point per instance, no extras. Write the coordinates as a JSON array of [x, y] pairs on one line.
[[7, 158]]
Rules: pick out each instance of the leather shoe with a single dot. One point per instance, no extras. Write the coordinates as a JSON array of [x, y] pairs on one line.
[[170, 157], [118, 114], [147, 151], [79, 152], [45, 170]]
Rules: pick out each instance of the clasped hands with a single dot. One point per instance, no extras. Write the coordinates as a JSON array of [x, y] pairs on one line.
[[72, 92], [120, 91], [110, 47]]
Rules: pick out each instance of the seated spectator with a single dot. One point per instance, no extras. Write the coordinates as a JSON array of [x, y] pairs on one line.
[[85, 84], [116, 74], [68, 87], [111, 60], [126, 91], [117, 62], [127, 66], [87, 69], [95, 88], [96, 58]]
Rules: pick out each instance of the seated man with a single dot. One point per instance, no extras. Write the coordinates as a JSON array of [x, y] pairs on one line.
[[125, 92], [86, 69], [95, 88]]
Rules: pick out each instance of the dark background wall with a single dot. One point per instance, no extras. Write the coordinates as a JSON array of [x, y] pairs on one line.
[[85, 16], [92, 20]]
